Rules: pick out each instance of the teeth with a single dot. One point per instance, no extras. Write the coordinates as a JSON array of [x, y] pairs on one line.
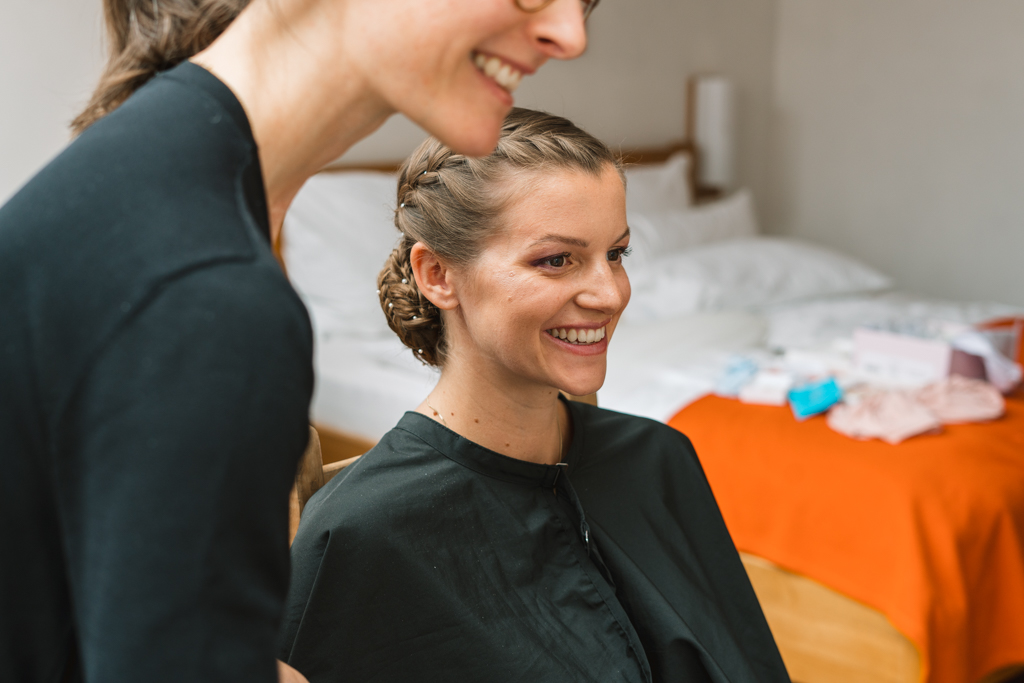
[[503, 74], [587, 336], [508, 80]]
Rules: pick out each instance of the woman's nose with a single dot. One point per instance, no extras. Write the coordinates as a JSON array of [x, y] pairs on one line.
[[558, 30], [604, 290]]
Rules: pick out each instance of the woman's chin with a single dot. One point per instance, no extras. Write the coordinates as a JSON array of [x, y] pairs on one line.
[[473, 132], [472, 143], [582, 387]]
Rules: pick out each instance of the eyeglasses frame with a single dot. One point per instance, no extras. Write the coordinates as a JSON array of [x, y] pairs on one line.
[[544, 3]]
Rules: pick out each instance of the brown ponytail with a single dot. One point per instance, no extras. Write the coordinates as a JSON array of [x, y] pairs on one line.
[[453, 203], [147, 36]]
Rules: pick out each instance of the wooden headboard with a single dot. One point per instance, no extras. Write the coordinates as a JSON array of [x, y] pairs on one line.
[[634, 157]]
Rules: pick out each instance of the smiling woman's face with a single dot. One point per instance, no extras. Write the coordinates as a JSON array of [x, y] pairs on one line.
[[540, 303], [451, 65]]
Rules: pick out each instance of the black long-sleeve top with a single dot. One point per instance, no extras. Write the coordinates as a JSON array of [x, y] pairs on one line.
[[155, 376], [435, 559]]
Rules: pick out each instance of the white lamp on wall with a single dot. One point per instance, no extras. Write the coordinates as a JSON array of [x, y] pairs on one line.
[[711, 125]]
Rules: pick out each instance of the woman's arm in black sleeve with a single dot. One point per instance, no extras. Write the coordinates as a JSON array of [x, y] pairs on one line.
[[176, 456]]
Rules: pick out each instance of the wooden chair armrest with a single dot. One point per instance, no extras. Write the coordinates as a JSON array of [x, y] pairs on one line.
[[332, 468]]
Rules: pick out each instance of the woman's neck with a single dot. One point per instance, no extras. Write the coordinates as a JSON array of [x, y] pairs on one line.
[[527, 423], [305, 102]]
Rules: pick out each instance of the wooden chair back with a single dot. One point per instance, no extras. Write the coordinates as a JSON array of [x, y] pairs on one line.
[[311, 476]]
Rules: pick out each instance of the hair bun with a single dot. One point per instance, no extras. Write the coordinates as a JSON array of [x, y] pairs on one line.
[[411, 316]]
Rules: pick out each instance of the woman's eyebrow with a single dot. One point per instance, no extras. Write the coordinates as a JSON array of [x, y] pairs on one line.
[[575, 241]]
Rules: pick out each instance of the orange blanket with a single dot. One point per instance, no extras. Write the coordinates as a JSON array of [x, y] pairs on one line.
[[929, 532]]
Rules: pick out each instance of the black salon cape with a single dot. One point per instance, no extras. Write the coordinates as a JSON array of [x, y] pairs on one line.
[[435, 559]]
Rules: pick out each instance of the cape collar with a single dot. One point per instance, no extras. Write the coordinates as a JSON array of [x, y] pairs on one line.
[[490, 463]]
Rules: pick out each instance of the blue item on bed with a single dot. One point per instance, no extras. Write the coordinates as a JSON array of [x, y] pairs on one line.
[[814, 398]]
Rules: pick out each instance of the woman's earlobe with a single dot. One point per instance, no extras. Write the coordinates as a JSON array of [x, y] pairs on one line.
[[433, 277]]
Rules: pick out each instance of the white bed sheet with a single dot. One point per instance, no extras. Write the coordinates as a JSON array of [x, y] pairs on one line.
[[364, 386], [654, 369], [815, 324]]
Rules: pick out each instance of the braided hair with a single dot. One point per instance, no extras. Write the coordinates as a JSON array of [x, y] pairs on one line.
[[452, 203]]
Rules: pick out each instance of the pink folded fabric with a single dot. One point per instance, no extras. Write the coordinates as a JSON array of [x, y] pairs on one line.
[[891, 416], [894, 415], [958, 399]]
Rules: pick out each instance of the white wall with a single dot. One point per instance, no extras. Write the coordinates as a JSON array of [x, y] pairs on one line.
[[628, 89], [898, 136], [51, 55]]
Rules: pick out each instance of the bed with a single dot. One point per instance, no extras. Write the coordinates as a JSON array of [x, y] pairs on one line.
[[863, 574]]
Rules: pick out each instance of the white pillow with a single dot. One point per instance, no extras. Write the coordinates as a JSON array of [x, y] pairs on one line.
[[744, 273], [654, 188], [337, 235], [669, 231]]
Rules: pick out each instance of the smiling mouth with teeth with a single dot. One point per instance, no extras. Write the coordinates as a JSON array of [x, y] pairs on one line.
[[505, 75], [574, 336]]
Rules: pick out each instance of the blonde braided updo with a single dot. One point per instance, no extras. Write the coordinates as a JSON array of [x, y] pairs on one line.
[[453, 203]]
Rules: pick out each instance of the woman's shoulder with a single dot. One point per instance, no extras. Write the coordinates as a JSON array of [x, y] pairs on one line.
[[622, 447], [163, 195], [174, 148], [399, 477], [608, 430]]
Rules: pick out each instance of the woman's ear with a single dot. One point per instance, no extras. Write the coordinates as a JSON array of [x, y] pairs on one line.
[[433, 277]]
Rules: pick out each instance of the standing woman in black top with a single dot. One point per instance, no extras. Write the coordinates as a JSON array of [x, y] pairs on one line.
[[155, 365]]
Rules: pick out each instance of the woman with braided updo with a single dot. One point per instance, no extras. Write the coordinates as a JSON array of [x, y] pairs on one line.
[[500, 532]]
